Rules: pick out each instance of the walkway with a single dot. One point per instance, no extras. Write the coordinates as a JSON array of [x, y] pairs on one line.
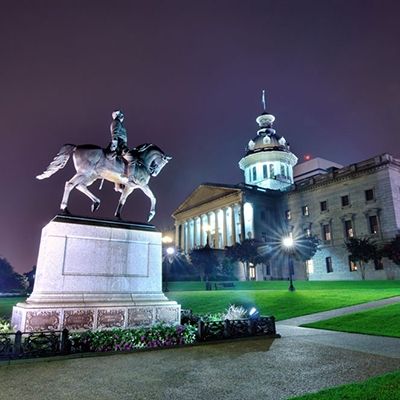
[[302, 361]]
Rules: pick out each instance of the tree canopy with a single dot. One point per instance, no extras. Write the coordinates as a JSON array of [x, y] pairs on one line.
[[391, 250], [9, 279], [205, 260], [362, 250], [246, 252], [305, 247]]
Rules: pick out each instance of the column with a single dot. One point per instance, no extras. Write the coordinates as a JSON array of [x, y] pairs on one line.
[[216, 231], [224, 230], [201, 231], [233, 224]]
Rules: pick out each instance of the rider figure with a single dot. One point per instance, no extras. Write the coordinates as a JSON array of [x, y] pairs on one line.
[[119, 140]]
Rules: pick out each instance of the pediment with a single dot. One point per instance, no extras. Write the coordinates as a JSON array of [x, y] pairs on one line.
[[206, 193]]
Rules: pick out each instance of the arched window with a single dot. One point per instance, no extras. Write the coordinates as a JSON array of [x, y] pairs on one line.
[[254, 174], [265, 171], [271, 170], [282, 169]]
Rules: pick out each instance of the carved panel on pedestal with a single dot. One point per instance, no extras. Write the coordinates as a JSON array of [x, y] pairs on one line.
[[78, 319], [110, 318], [140, 316], [167, 314], [42, 321]]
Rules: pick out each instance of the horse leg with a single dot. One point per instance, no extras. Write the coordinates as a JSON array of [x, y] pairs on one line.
[[69, 185], [147, 191], [125, 193], [76, 180], [96, 202]]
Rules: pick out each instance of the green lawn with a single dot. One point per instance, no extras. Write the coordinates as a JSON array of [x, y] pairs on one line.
[[7, 303], [273, 298], [383, 321], [385, 387]]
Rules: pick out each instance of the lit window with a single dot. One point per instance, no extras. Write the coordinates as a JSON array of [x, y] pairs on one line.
[[305, 210], [324, 205], [348, 226], [265, 171], [271, 170], [352, 265], [329, 267], [327, 232], [252, 272], [310, 266], [287, 214], [345, 201], [307, 231], [369, 195], [373, 224]]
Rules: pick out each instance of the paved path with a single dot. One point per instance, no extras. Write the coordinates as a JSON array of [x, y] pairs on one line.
[[302, 361]]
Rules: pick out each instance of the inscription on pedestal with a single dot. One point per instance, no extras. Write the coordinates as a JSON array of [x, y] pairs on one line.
[[110, 318], [167, 314], [42, 321], [140, 316], [78, 319]]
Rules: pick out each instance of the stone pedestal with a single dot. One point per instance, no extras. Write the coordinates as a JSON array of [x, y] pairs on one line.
[[96, 274]]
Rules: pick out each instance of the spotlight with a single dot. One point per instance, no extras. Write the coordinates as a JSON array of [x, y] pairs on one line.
[[254, 314]]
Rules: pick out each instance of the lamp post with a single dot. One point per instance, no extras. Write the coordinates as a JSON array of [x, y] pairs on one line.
[[170, 253], [289, 243]]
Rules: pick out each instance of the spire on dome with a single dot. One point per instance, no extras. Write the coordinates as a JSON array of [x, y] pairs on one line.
[[263, 100]]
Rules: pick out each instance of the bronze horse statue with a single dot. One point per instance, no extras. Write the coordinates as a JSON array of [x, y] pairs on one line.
[[92, 162]]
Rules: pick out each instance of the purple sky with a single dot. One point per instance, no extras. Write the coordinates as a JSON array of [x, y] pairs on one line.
[[188, 76]]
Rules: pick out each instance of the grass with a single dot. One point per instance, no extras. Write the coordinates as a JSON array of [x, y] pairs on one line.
[[7, 303], [273, 298], [383, 321], [385, 387], [300, 285]]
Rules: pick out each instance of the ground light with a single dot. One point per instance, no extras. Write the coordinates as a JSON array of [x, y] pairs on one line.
[[254, 314], [170, 254], [289, 245]]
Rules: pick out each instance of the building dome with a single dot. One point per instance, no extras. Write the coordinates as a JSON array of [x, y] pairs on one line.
[[266, 139], [268, 161]]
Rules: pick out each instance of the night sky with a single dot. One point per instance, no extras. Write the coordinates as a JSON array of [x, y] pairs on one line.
[[188, 76]]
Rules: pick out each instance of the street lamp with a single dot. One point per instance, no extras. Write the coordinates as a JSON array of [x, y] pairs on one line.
[[289, 243], [170, 253]]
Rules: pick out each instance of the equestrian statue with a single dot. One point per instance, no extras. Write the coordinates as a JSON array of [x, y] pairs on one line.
[[128, 169]]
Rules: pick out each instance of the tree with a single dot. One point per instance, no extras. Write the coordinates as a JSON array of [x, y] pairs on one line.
[[205, 260], [9, 279], [362, 250], [248, 253], [391, 250], [227, 269], [305, 248], [177, 265]]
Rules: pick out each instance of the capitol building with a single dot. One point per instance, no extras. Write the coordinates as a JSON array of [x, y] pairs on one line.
[[280, 197]]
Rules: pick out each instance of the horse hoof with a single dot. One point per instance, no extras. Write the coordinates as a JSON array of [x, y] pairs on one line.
[[150, 216], [95, 206]]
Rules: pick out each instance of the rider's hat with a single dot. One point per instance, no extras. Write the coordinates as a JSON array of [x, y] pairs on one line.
[[117, 114]]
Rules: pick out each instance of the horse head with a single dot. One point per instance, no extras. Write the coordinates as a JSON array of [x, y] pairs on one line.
[[152, 157], [158, 164]]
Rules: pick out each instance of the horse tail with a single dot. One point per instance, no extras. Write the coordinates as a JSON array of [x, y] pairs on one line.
[[59, 161]]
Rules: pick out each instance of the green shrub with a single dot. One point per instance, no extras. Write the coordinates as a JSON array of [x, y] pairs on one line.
[[117, 339]]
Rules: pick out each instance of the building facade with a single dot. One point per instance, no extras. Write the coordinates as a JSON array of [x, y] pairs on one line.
[[279, 198]]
